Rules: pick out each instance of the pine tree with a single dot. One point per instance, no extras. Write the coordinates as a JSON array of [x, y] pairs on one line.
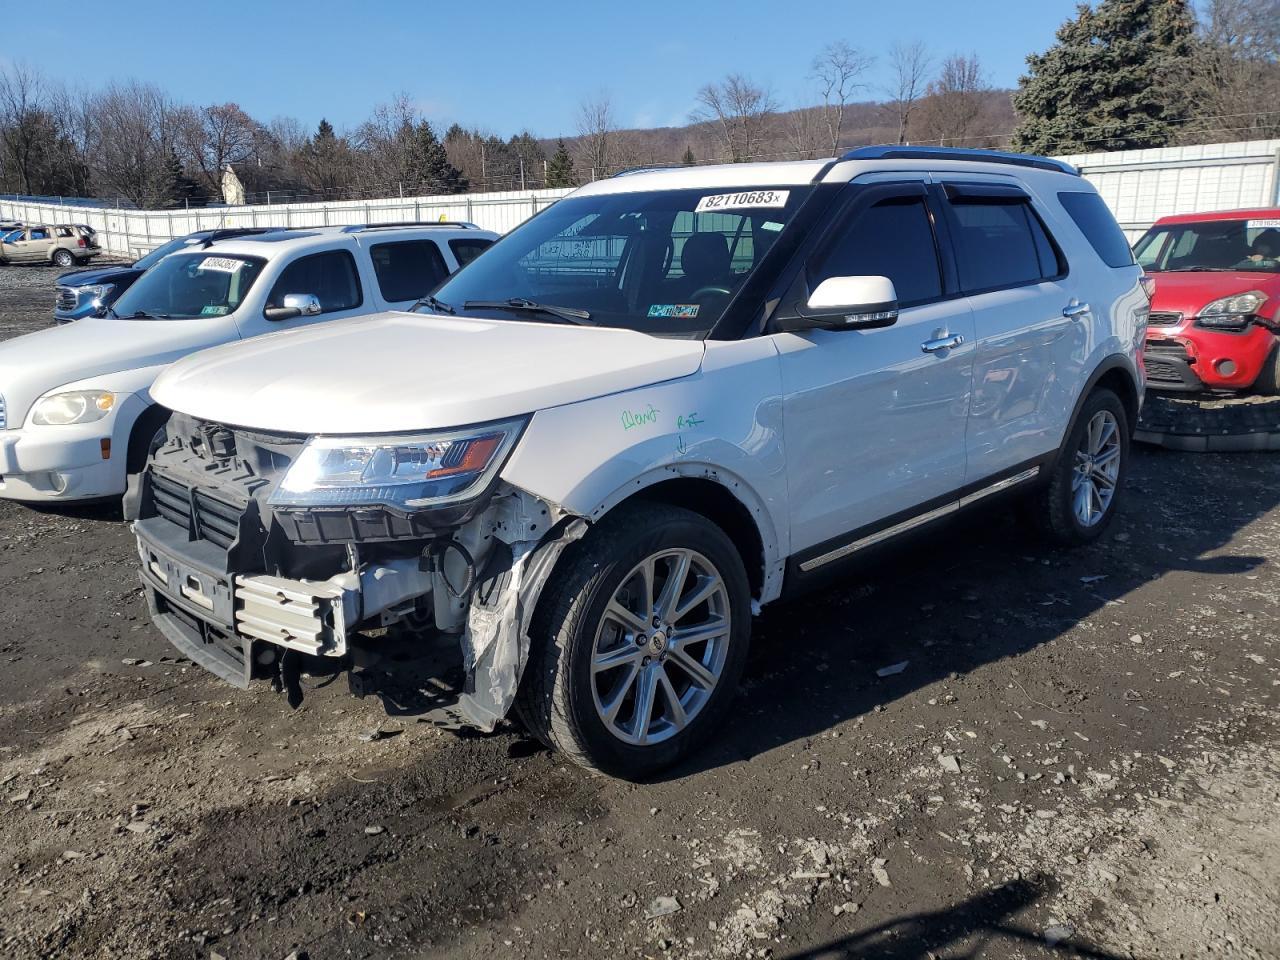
[[431, 163], [1113, 80], [526, 149], [688, 159], [560, 168]]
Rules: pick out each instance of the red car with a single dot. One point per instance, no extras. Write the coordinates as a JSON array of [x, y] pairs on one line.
[[1215, 314]]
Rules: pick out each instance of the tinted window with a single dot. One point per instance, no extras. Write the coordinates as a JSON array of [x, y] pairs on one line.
[[893, 239], [407, 270], [1099, 227], [330, 276], [995, 245], [468, 250]]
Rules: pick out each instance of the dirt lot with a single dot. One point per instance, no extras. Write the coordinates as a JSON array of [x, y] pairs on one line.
[[1079, 758]]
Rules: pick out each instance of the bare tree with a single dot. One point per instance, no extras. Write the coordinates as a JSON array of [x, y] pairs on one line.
[[838, 69], [953, 101], [806, 132], [597, 136], [1238, 70], [212, 137], [134, 143], [910, 64], [23, 126], [739, 110]]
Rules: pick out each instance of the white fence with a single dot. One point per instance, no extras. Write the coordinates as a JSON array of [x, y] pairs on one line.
[[132, 232], [1139, 185]]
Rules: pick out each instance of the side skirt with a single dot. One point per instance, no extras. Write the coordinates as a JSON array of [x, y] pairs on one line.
[[819, 563]]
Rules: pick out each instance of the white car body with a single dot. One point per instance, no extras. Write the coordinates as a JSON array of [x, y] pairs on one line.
[[823, 441], [85, 461]]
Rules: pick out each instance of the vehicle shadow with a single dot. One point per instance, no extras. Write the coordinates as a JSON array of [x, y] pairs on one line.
[[975, 593], [973, 922]]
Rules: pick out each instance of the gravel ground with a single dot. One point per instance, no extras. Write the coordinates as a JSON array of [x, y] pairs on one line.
[[1078, 757]]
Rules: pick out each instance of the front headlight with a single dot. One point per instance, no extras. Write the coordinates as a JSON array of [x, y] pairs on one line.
[[408, 472], [98, 291], [74, 406], [1240, 303]]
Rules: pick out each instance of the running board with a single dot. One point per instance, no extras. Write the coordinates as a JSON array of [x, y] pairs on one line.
[[920, 520]]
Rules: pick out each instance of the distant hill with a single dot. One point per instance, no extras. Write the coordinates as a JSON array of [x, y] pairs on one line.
[[795, 134]]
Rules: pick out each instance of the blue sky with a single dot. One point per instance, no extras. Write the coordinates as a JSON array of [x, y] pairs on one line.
[[496, 65]]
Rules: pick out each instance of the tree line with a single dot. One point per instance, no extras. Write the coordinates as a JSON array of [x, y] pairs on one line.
[[1121, 74]]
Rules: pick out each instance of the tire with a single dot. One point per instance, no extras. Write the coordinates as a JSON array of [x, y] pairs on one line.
[[591, 713], [1268, 381], [1060, 509], [63, 258], [144, 431]]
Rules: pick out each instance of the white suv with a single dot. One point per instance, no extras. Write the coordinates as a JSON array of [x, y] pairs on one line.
[[75, 405], [670, 398]]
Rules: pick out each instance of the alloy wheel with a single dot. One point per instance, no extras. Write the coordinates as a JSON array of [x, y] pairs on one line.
[[1097, 469], [660, 647]]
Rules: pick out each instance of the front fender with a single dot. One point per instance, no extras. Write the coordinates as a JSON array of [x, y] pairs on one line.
[[723, 424]]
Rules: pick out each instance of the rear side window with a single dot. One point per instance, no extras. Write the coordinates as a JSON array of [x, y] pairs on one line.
[[892, 239], [1099, 227], [39, 234], [331, 276], [407, 270], [1001, 245], [467, 250]]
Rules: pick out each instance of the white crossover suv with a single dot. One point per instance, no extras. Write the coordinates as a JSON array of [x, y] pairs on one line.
[[76, 411], [671, 398]]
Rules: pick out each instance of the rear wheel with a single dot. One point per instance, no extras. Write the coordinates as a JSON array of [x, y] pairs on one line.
[[639, 642], [1078, 502], [63, 258]]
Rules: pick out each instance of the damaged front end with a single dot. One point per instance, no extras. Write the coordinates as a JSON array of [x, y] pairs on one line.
[[251, 578]]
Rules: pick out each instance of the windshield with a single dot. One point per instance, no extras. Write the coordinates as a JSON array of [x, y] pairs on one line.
[[1243, 245], [663, 262], [160, 252], [186, 285]]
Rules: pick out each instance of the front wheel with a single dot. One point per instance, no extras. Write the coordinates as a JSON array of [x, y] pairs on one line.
[[639, 642], [63, 258], [1078, 502]]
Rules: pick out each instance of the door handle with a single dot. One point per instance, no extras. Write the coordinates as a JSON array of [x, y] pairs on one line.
[[1075, 311], [942, 343]]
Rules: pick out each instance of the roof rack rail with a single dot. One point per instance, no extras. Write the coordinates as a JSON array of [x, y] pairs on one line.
[[228, 232], [359, 227], [907, 152], [648, 168]]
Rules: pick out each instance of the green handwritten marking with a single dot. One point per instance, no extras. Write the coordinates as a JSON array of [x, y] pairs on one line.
[[639, 418], [692, 420]]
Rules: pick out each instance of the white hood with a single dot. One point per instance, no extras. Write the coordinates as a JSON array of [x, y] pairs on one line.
[[398, 372], [36, 363]]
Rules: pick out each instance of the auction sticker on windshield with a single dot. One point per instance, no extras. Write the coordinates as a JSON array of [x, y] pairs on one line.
[[223, 264], [1262, 224], [737, 201]]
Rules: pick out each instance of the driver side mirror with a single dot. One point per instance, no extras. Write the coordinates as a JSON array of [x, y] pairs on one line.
[[295, 305], [850, 303]]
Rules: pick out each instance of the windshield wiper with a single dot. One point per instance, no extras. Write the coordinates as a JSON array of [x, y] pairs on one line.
[[140, 315], [1199, 270], [567, 314], [437, 305]]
